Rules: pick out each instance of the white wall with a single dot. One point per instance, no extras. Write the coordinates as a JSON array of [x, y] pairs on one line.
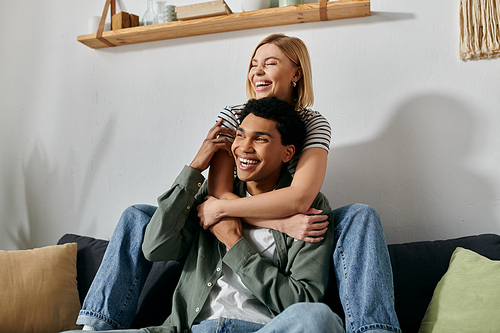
[[85, 133]]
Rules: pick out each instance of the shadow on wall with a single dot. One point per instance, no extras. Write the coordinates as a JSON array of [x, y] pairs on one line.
[[416, 172], [55, 195]]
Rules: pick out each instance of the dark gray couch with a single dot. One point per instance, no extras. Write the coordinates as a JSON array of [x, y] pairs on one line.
[[417, 268]]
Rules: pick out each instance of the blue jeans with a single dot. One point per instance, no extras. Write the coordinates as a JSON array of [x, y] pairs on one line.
[[111, 302], [363, 271], [298, 318], [361, 261]]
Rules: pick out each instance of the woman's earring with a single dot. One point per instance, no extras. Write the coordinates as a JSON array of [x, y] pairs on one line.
[[294, 84]]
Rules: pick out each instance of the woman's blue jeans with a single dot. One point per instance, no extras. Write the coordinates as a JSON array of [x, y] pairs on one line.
[[361, 261]]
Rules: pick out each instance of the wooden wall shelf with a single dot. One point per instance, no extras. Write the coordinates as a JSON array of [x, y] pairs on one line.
[[321, 11]]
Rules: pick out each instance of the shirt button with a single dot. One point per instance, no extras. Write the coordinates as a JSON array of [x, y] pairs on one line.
[[209, 284], [197, 310]]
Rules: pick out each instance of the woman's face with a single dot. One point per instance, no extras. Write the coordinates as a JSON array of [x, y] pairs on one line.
[[271, 73]]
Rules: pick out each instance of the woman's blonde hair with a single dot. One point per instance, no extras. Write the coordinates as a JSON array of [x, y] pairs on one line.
[[295, 49]]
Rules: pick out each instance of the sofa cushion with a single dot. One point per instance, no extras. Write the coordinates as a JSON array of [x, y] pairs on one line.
[[466, 298], [419, 266], [38, 290]]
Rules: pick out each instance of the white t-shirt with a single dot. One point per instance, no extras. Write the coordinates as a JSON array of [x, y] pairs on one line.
[[229, 298]]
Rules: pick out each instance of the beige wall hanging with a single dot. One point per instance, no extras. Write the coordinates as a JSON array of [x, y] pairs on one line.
[[479, 29]]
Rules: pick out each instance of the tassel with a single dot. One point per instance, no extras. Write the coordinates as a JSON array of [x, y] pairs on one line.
[[479, 29]]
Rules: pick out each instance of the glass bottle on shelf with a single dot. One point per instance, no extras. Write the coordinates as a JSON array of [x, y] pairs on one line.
[[149, 17]]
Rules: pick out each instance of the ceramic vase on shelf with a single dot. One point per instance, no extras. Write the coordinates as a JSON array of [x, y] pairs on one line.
[[149, 17], [249, 5], [284, 3], [166, 13]]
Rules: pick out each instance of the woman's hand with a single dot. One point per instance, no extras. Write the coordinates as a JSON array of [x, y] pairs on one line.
[[207, 212], [212, 144], [308, 227]]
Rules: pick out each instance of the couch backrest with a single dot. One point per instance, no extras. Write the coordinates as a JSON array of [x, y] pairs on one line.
[[417, 268]]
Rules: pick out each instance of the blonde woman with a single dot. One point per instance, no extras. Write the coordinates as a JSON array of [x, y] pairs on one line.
[[280, 67]]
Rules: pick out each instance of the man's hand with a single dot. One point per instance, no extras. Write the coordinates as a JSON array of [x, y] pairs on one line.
[[308, 227], [212, 144], [208, 213], [228, 231]]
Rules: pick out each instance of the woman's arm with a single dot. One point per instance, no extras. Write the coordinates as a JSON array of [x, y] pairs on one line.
[[309, 227], [221, 176], [306, 184]]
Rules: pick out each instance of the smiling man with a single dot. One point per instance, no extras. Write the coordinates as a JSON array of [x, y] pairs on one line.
[[241, 278]]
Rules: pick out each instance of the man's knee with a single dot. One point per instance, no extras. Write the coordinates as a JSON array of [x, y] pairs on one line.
[[316, 317]]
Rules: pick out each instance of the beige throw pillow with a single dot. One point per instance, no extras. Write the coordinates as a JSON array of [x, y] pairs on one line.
[[38, 290]]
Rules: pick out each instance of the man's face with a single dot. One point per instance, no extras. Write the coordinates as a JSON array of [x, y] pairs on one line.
[[259, 154]]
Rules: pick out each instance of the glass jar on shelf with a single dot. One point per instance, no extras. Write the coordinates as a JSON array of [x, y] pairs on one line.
[[149, 16]]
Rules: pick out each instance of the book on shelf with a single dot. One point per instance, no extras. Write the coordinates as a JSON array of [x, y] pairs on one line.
[[204, 9]]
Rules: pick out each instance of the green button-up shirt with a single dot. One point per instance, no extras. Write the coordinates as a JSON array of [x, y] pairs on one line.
[[174, 232]]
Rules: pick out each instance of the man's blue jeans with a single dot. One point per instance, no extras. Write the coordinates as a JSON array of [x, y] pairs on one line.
[[298, 318], [361, 260]]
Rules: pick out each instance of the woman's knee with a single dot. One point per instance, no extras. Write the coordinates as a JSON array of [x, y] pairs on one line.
[[135, 217], [364, 210], [148, 210]]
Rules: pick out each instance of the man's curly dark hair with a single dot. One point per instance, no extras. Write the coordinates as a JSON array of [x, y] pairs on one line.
[[288, 122]]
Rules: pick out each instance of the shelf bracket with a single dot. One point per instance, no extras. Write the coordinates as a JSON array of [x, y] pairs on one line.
[[103, 21], [323, 14]]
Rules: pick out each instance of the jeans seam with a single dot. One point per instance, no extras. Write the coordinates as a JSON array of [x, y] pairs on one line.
[[131, 291], [370, 327], [347, 308], [104, 318]]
